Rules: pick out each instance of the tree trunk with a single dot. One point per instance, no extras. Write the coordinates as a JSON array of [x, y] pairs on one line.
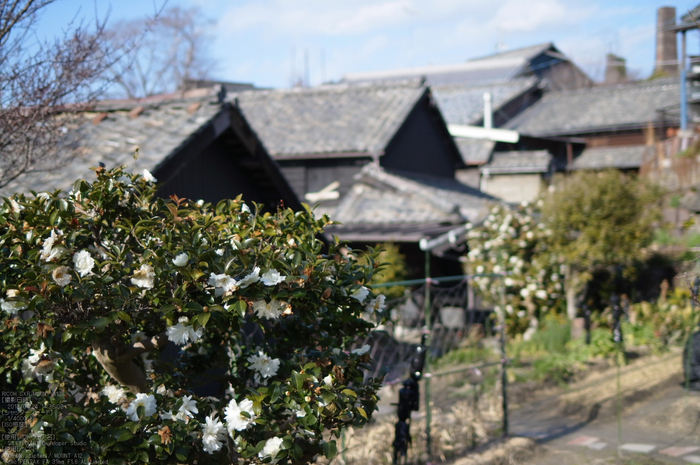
[[122, 369], [118, 359], [571, 287]]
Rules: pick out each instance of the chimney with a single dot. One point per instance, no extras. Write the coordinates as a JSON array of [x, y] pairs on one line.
[[488, 111], [666, 48], [615, 69]]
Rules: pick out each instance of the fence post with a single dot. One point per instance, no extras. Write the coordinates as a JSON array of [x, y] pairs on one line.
[[504, 359], [426, 305]]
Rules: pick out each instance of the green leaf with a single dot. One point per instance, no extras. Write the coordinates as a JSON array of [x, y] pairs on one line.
[[330, 450], [362, 412], [123, 434], [349, 393], [124, 316], [203, 318], [297, 381], [100, 323]]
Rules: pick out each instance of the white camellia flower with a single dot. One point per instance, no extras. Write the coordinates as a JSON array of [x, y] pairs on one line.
[[61, 275], [147, 176], [272, 277], [181, 259], [376, 305], [361, 294], [166, 415], [113, 393], [509, 282], [49, 252], [83, 262], [271, 449], [182, 332], [213, 435], [147, 401], [541, 294], [38, 364], [270, 310], [16, 207], [244, 208], [328, 380], [12, 306], [362, 350], [144, 277], [252, 278], [187, 409], [524, 292], [223, 284], [235, 419], [264, 365], [219, 252]]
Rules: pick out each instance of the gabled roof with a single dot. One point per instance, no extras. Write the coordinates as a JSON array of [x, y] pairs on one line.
[[598, 109], [168, 132], [354, 120], [534, 161], [383, 201], [462, 104], [598, 158], [475, 151], [115, 129], [497, 68]]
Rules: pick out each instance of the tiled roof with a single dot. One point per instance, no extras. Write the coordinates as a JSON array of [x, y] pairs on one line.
[[381, 198], [598, 109], [474, 151], [461, 104], [628, 157], [112, 133], [500, 67], [329, 119], [535, 161]]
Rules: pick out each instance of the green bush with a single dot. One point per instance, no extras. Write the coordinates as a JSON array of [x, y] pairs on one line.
[[95, 283]]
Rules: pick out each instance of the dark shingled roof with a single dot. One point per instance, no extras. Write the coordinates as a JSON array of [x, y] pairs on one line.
[[155, 127], [353, 119], [465, 104], [535, 161], [604, 108], [595, 158], [475, 151], [381, 198]]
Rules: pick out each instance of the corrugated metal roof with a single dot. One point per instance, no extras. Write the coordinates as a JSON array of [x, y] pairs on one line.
[[500, 67], [598, 109], [628, 157], [329, 119], [534, 161]]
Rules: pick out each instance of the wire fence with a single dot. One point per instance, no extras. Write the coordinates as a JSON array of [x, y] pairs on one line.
[[428, 322]]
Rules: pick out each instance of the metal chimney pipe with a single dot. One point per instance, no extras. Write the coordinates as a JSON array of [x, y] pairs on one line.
[[488, 111]]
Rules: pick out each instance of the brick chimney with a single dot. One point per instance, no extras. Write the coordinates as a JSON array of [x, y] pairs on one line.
[[666, 48], [615, 69]]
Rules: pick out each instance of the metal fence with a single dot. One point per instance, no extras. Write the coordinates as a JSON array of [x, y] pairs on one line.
[[431, 319]]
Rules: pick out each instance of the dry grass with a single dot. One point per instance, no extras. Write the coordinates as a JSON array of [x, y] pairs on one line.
[[453, 432], [639, 381], [683, 416]]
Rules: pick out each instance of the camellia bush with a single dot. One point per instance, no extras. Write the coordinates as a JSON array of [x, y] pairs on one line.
[[513, 241], [137, 329]]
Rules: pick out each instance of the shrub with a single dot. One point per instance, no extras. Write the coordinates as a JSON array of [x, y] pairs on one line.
[[119, 307]]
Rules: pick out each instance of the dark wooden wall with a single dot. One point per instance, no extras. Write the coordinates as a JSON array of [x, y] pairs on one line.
[[421, 145], [215, 174]]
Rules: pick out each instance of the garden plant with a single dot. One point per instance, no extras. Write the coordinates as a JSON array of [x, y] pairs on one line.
[[139, 329]]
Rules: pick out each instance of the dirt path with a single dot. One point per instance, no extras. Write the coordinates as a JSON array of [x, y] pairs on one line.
[[578, 425]]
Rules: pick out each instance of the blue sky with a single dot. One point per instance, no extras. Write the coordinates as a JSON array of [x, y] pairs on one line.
[[256, 40]]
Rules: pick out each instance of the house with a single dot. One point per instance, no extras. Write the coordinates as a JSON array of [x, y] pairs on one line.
[[195, 144], [321, 137], [404, 208], [624, 119], [488, 92]]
